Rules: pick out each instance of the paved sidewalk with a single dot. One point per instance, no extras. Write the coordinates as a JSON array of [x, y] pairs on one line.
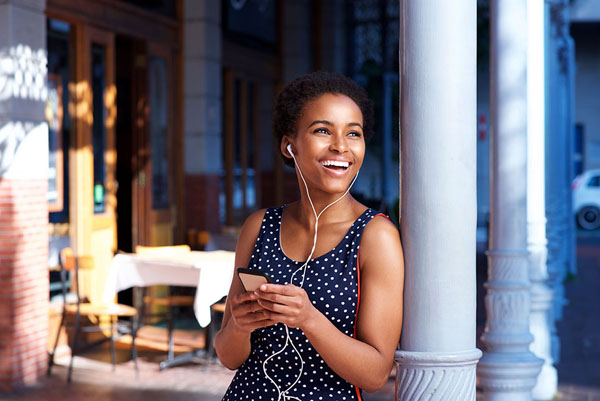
[[93, 379]]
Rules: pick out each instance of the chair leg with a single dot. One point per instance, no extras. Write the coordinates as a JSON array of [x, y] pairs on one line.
[[170, 330], [51, 359], [134, 327], [75, 345], [113, 356], [141, 306]]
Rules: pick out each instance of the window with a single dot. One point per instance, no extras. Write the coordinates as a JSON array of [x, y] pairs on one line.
[[58, 120], [98, 127], [594, 181], [158, 97]]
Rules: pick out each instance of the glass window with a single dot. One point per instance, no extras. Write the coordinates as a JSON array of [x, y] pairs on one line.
[[251, 22], [58, 120], [159, 111], [594, 181], [98, 128]]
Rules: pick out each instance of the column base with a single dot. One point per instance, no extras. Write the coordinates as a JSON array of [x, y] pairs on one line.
[[436, 376], [547, 384], [508, 376]]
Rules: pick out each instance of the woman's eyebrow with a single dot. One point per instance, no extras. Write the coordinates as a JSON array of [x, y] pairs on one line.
[[325, 122]]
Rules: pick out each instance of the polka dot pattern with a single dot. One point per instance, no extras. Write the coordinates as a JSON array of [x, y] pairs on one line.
[[332, 286]]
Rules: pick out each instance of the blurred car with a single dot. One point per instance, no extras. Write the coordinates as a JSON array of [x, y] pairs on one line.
[[586, 199]]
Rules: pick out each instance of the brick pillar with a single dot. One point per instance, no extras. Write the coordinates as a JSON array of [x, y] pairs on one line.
[[23, 194]]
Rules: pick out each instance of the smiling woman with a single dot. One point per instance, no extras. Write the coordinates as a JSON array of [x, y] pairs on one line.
[[326, 326]]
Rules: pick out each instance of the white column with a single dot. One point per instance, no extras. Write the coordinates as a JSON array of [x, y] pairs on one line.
[[508, 370], [541, 295], [438, 200]]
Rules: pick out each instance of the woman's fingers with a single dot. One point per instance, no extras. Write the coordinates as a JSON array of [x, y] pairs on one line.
[[286, 304], [245, 308], [279, 307], [247, 313], [288, 289], [273, 298]]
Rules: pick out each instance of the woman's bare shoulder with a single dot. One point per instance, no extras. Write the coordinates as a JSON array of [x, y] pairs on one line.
[[252, 225], [380, 239]]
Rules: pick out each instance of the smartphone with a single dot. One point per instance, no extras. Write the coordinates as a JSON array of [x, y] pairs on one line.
[[251, 278]]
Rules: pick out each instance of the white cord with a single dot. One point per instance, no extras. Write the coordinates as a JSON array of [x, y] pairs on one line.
[[283, 395]]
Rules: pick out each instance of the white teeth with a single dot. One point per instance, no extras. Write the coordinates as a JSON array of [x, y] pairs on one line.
[[335, 163]]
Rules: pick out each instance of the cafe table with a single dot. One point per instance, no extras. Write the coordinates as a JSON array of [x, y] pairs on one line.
[[210, 272]]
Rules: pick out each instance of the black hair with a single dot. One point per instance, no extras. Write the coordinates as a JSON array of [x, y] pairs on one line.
[[292, 99]]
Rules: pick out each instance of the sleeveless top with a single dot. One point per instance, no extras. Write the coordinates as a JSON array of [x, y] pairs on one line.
[[332, 285]]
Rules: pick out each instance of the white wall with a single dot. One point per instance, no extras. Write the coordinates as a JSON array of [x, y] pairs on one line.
[[587, 94], [23, 92]]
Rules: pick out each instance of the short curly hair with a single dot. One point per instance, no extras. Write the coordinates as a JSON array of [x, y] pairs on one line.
[[292, 99]]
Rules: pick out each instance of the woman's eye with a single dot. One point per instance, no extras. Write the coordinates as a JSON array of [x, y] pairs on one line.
[[354, 133], [322, 130]]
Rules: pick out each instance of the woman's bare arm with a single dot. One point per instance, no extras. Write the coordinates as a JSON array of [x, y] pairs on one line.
[[366, 360], [242, 313]]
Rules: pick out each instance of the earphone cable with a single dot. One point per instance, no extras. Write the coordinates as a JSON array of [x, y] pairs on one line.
[[283, 395]]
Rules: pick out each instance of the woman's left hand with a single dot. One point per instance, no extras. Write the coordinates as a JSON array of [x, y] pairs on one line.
[[287, 304]]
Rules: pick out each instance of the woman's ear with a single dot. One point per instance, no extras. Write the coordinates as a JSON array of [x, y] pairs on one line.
[[286, 147]]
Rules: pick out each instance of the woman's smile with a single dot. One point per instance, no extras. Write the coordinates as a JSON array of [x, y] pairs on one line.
[[329, 142], [337, 167]]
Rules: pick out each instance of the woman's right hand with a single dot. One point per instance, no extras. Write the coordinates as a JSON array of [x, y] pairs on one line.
[[246, 314]]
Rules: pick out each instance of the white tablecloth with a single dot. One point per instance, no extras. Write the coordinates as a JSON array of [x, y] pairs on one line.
[[209, 272]]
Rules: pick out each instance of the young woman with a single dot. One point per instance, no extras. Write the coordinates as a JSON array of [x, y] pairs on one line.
[[328, 324]]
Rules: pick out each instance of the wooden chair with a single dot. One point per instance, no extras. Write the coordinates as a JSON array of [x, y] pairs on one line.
[[170, 300], [217, 311], [69, 263]]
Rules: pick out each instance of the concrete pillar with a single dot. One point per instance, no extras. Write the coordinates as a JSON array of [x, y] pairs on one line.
[[541, 294], [438, 200], [23, 194], [202, 112], [508, 370], [297, 55]]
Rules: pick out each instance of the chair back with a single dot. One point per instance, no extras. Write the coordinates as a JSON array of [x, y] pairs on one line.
[[70, 262]]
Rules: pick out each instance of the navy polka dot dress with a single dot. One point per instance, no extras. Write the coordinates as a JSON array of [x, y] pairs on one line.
[[332, 285]]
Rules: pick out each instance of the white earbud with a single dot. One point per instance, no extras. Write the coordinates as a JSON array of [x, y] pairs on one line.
[[289, 149]]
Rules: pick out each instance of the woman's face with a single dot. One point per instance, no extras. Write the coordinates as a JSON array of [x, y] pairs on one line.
[[329, 143]]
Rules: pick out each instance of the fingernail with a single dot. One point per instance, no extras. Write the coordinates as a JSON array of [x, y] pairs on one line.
[[263, 287]]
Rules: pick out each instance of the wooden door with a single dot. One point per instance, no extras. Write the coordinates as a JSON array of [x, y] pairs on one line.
[[154, 211], [92, 172], [160, 185]]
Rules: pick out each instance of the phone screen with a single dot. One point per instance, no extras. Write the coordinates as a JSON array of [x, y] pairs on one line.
[[252, 279]]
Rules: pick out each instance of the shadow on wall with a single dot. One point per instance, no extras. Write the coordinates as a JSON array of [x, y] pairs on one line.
[[22, 79]]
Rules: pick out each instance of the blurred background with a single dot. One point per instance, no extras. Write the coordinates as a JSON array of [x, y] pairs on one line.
[[148, 122]]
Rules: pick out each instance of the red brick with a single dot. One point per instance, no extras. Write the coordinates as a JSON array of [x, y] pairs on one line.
[[24, 277], [202, 201]]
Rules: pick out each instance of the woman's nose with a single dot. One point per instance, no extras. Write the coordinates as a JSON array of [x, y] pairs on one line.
[[338, 144]]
